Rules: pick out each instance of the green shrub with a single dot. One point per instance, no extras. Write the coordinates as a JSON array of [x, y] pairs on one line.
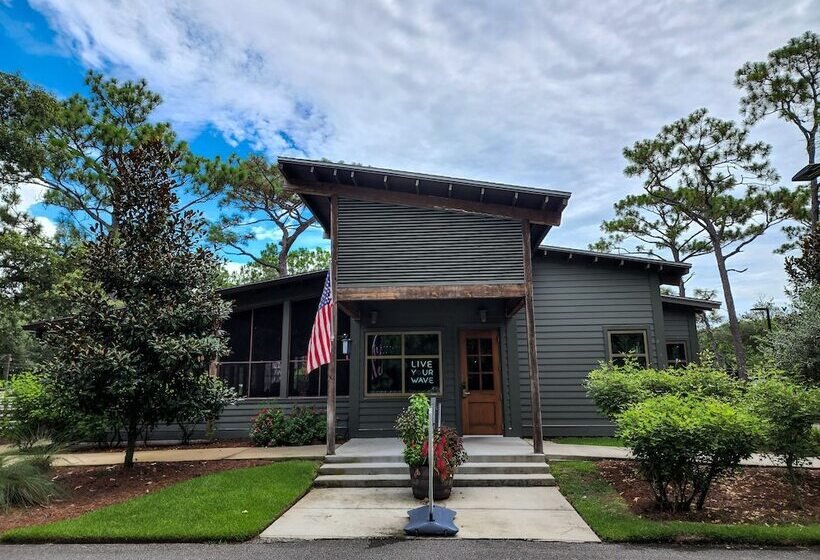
[[684, 443], [268, 428], [787, 411], [303, 426], [24, 481], [614, 388], [24, 406]]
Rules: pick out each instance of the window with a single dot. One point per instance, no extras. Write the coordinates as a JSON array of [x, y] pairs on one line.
[[254, 366], [302, 383], [623, 344], [676, 354], [402, 363]]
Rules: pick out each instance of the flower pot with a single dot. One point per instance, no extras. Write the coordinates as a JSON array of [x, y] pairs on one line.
[[419, 480]]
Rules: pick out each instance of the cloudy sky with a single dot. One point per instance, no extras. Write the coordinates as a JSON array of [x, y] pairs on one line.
[[533, 93]]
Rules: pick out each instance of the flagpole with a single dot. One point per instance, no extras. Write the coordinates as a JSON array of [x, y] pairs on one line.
[[331, 368]]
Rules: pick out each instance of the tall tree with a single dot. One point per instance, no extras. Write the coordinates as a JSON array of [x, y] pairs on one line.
[[708, 170], [787, 84], [70, 146], [660, 230], [254, 198], [147, 319]]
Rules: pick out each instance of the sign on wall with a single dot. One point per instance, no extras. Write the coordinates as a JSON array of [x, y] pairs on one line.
[[421, 374]]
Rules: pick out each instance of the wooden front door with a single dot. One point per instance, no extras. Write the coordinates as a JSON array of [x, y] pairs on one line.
[[481, 410]]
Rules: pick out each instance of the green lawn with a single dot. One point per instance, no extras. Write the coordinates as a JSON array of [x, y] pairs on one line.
[[232, 505], [607, 441], [609, 516]]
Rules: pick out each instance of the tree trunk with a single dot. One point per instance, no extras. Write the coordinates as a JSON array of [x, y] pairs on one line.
[[711, 336], [131, 443], [284, 249], [815, 206], [682, 288], [734, 325]]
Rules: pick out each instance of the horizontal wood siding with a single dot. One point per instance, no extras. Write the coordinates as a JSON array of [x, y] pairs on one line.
[[574, 304], [235, 421], [391, 245]]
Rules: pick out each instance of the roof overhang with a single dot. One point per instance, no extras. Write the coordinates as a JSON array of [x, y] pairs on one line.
[[668, 272], [316, 181], [697, 304], [273, 283], [811, 171]]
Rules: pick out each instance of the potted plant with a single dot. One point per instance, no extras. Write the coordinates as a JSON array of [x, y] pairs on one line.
[[412, 427]]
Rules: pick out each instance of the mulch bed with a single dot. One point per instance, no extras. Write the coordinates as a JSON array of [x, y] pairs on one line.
[[754, 495], [90, 488]]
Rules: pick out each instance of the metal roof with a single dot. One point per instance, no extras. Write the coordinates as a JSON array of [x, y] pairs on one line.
[[485, 196], [811, 171], [273, 283], [669, 272], [697, 303]]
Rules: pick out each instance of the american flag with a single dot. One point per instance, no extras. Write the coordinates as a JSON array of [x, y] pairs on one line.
[[319, 345]]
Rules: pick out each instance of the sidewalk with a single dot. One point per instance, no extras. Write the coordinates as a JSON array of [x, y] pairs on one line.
[[565, 452], [553, 452], [308, 452]]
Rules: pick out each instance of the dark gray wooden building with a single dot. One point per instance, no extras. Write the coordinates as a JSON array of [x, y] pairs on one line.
[[444, 284]]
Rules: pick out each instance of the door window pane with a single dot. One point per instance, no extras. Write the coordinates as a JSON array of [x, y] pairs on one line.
[[487, 382]]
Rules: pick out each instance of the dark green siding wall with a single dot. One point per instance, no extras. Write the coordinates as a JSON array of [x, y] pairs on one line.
[[389, 245], [574, 304], [680, 325]]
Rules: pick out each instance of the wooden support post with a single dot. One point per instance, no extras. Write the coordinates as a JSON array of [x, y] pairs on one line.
[[532, 352], [331, 368]]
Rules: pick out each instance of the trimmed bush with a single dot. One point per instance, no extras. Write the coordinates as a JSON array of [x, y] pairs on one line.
[[412, 426], [268, 428], [303, 426], [787, 411], [684, 443], [614, 388]]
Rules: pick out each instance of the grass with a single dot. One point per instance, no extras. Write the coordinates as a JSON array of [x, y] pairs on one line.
[[233, 505], [609, 516], [606, 441]]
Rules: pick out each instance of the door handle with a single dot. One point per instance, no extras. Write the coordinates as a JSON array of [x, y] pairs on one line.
[[464, 393]]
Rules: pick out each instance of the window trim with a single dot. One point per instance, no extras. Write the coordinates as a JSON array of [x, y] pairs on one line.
[[628, 330], [685, 351], [402, 395]]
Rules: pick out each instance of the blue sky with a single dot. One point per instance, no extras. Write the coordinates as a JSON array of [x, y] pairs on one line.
[[538, 93]]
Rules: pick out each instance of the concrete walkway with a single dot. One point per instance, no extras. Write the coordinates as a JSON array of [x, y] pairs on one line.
[[563, 452], [308, 452], [536, 513], [358, 446]]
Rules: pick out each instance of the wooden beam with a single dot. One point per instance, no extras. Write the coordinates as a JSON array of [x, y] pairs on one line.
[[532, 347], [334, 320], [513, 306], [352, 309], [458, 291], [532, 215]]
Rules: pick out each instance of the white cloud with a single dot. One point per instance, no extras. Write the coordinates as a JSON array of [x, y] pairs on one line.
[[48, 228], [232, 266], [262, 233], [543, 94]]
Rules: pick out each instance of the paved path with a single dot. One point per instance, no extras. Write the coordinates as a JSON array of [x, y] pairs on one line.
[[311, 452], [451, 549], [564, 451], [553, 452], [532, 513]]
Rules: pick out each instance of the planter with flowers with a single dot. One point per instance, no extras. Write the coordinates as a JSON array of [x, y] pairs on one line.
[[448, 451]]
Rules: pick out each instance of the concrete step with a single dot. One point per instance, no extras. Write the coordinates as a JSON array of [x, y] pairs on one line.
[[500, 458], [401, 468], [403, 480]]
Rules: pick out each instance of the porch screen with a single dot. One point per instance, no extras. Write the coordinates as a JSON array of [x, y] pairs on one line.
[[402, 363], [254, 365]]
